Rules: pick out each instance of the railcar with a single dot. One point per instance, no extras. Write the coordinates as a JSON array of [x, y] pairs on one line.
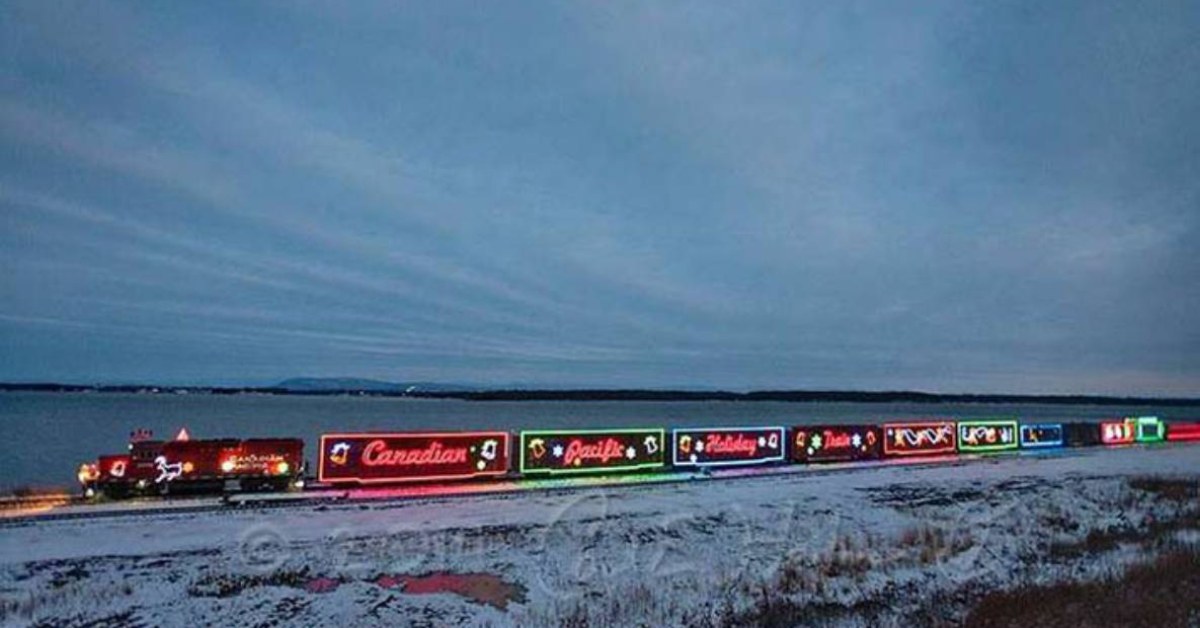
[[1183, 431], [573, 452], [356, 458], [1082, 434], [1147, 429], [1042, 435], [988, 435], [705, 447], [922, 438], [1119, 432], [835, 443]]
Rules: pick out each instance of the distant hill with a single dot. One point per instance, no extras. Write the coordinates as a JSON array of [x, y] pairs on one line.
[[806, 396], [356, 384]]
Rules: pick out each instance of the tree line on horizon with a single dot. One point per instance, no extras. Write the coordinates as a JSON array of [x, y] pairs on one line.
[[620, 394]]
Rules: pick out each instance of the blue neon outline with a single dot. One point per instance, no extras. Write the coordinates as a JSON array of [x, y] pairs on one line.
[[728, 463], [1045, 444]]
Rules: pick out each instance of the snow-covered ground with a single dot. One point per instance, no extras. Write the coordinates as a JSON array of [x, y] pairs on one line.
[[876, 546]]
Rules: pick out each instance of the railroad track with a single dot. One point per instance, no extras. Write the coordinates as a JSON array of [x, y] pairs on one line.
[[33, 502], [32, 510]]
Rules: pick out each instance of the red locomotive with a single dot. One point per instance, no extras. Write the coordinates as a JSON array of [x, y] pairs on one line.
[[184, 465]]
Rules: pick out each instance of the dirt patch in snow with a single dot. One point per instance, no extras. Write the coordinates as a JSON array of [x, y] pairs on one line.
[[482, 588]]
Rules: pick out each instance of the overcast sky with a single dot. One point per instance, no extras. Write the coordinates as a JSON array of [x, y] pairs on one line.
[[946, 196]]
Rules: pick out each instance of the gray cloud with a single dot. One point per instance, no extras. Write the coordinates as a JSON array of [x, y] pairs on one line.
[[948, 197]]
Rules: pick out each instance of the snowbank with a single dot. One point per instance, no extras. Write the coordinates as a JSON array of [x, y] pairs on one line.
[[849, 547]]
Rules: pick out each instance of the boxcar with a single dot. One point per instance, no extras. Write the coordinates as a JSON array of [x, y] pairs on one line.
[[835, 443], [1081, 434]]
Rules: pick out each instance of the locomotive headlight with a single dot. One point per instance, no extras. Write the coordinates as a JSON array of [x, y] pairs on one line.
[[227, 465], [83, 475], [281, 468], [87, 473], [89, 493]]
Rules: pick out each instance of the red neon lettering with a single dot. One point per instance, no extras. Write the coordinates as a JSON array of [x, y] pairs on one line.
[[377, 454], [731, 444], [605, 450], [837, 440]]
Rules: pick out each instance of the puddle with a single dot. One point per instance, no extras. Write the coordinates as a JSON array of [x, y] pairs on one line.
[[482, 588]]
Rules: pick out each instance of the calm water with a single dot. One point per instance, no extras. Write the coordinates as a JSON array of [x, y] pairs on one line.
[[45, 436]]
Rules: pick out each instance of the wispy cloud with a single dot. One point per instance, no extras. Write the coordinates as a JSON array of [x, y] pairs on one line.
[[953, 197]]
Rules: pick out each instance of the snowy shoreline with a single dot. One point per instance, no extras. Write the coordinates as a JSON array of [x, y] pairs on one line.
[[878, 543]]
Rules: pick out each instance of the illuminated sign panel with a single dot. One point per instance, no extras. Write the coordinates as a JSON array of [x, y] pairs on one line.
[[263, 457], [555, 452], [369, 458], [1179, 432], [1041, 435], [918, 439], [725, 446], [1147, 429], [835, 443], [1117, 432], [987, 435]]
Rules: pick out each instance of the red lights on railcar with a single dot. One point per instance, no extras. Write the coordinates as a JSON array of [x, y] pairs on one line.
[[835, 443], [380, 458], [1182, 432], [1117, 432], [927, 438]]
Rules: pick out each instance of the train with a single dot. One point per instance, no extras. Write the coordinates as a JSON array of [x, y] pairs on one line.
[[184, 465]]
